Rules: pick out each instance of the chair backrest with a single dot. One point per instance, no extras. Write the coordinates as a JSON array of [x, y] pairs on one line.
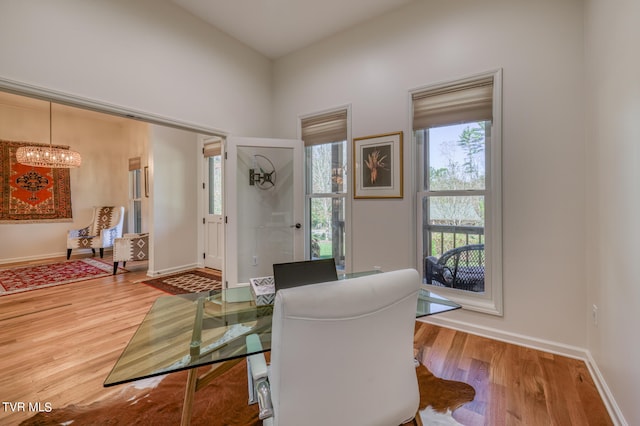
[[293, 274], [107, 217], [342, 352]]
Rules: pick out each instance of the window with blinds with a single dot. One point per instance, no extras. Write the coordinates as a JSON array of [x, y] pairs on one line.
[[325, 138], [213, 154], [135, 195], [456, 129]]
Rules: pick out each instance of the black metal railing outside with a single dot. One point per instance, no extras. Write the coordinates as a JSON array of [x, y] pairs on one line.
[[442, 238]]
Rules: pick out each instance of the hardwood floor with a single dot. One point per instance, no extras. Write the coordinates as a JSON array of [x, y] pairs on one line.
[[58, 344], [514, 385]]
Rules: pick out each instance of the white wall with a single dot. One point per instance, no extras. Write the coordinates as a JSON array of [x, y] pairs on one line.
[[613, 203], [539, 45], [105, 143], [146, 55], [174, 186]]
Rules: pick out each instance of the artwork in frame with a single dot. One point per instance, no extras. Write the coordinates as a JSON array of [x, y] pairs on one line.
[[146, 181], [31, 194], [378, 166]]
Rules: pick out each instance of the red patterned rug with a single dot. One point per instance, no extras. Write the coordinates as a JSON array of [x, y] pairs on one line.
[[25, 278], [32, 194], [188, 282]]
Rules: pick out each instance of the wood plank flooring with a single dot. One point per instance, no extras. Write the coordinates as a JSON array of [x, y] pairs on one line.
[[58, 344], [514, 385]]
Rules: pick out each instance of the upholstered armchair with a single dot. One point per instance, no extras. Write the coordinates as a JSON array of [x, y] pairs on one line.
[[105, 227], [131, 247], [341, 354]]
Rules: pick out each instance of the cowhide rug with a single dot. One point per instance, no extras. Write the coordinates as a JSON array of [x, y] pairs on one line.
[[224, 402]]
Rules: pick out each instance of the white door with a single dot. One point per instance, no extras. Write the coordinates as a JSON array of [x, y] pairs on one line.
[[264, 206], [213, 206]]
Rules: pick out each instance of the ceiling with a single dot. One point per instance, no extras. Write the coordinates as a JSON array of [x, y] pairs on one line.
[[278, 27]]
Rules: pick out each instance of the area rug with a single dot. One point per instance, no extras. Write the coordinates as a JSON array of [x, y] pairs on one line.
[[25, 278], [32, 194], [158, 401], [188, 282]]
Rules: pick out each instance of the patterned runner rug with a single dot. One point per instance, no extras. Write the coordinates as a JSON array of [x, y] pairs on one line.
[[25, 278], [188, 282]]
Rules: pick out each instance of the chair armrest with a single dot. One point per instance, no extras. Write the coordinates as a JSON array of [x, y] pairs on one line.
[[77, 233], [131, 247], [108, 235], [256, 361], [122, 250], [430, 267], [259, 379]]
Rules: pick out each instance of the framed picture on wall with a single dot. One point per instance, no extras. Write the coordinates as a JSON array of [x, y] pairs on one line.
[[378, 166], [146, 181]]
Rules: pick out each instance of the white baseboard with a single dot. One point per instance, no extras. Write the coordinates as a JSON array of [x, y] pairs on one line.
[[173, 270], [46, 256], [31, 258], [542, 345], [612, 406]]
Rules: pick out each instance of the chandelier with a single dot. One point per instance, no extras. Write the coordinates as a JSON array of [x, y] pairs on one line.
[[48, 156]]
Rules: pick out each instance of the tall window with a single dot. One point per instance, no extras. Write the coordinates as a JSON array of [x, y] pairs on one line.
[[456, 129], [325, 139], [135, 195], [213, 153]]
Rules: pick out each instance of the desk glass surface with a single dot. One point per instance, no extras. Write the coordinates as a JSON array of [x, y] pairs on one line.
[[189, 330]]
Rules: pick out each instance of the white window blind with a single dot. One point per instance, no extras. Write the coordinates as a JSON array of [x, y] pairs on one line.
[[458, 103], [212, 149], [325, 128], [135, 163]]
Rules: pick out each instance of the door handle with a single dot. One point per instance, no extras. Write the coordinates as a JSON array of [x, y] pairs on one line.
[[297, 226]]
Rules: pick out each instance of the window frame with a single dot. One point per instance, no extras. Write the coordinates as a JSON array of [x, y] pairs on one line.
[[491, 301], [346, 196], [135, 185], [213, 184]]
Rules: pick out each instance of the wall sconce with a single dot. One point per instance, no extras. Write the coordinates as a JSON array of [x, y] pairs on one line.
[[263, 173], [260, 178]]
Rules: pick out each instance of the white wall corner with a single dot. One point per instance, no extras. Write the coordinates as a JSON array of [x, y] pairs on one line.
[[605, 393]]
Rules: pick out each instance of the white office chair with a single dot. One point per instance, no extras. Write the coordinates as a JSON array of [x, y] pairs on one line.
[[341, 354]]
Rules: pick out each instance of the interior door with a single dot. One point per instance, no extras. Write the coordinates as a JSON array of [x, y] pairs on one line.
[[213, 215], [264, 206]]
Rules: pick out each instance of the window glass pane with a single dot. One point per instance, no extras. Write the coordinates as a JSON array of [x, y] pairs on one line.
[[326, 168], [215, 185], [453, 238], [135, 190], [452, 222], [137, 216], [456, 156], [327, 229]]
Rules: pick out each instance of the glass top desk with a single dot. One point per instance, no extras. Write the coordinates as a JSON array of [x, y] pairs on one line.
[[185, 331]]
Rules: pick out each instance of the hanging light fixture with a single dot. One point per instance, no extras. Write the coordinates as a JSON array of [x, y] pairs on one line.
[[48, 156]]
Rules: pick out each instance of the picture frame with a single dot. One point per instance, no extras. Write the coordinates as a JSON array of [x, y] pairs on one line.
[[377, 166], [146, 181]]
